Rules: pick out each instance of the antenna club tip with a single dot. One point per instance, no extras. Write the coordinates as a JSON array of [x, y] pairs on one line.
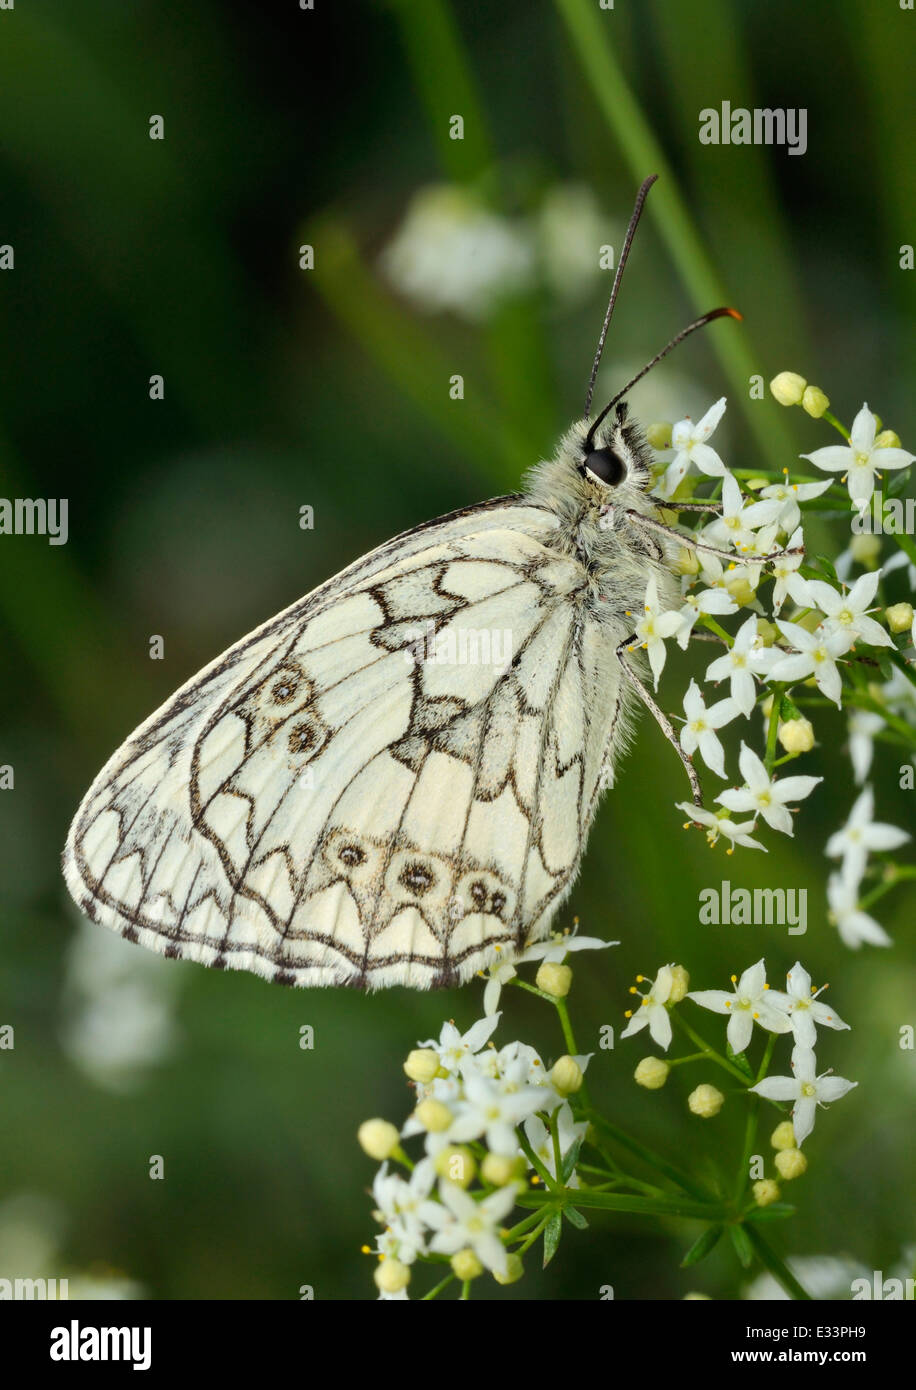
[[733, 314]]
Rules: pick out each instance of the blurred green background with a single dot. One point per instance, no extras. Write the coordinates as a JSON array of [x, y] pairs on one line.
[[329, 387]]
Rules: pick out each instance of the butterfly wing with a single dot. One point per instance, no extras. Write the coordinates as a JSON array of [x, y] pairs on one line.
[[385, 784]]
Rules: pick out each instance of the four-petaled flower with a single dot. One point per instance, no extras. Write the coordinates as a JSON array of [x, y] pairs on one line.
[[764, 795], [751, 1001], [860, 835], [860, 459], [655, 627], [652, 1012], [689, 442], [461, 1223], [816, 654], [805, 1010], [699, 731], [806, 1089]]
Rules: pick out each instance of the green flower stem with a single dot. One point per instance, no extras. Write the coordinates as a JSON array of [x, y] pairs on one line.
[[831, 419], [673, 1205], [536, 1218], [894, 874], [717, 628], [709, 1052], [750, 1127], [542, 1220], [543, 1173], [565, 1024], [772, 1262], [647, 1155], [773, 727], [437, 1288]]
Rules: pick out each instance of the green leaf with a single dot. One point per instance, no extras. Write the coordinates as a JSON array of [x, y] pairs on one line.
[[702, 1246], [776, 1211], [788, 710], [552, 1233], [898, 483], [740, 1061], [743, 1248], [569, 1162], [575, 1218], [826, 565]]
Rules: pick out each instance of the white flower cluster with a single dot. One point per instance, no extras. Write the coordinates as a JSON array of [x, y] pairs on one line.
[[796, 1010], [827, 627]]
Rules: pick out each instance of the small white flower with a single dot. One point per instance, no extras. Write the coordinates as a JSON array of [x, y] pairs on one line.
[[402, 1205], [751, 1001], [460, 1222], [739, 518], [654, 627], [554, 949], [739, 664], [863, 725], [689, 441], [455, 1048], [846, 613], [788, 495], [493, 1110], [805, 1011], [700, 729], [652, 1013], [854, 925], [541, 1139], [860, 835], [783, 568], [807, 1090], [717, 600], [766, 796], [860, 460], [816, 654], [722, 825]]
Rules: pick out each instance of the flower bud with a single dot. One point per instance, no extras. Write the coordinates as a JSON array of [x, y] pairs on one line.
[[651, 1073], [866, 549], [391, 1276], [765, 1192], [788, 388], [422, 1065], [514, 1270], [783, 1136], [766, 709], [566, 1076], [741, 590], [887, 439], [797, 735], [705, 1101], [434, 1116], [659, 434], [680, 983], [809, 621], [767, 632], [814, 401], [500, 1169], [465, 1265], [456, 1164], [899, 617], [790, 1163], [686, 561], [378, 1138], [554, 979]]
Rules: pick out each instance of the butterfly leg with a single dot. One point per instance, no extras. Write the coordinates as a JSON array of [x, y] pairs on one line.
[[734, 557], [685, 506], [661, 719]]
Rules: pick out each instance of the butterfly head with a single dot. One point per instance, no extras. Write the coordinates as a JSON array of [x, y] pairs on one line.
[[619, 458]]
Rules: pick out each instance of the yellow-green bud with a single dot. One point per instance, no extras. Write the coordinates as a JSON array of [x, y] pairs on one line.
[[554, 979], [815, 402], [500, 1169], [705, 1101], [659, 434], [765, 1191], [652, 1073], [809, 621], [887, 439], [680, 983], [866, 549], [756, 484], [686, 561], [740, 590], [465, 1265], [378, 1138], [783, 1136], [767, 632], [790, 1163], [797, 735], [899, 617], [455, 1164], [391, 1276], [422, 1065], [766, 709], [696, 1298], [434, 1116], [788, 388], [514, 1270], [566, 1076]]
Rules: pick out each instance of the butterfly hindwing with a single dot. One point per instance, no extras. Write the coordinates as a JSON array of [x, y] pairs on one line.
[[382, 785]]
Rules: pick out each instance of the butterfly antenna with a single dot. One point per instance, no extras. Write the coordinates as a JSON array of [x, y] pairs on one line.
[[684, 333], [627, 242]]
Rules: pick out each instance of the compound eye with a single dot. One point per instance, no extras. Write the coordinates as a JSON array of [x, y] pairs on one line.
[[605, 467]]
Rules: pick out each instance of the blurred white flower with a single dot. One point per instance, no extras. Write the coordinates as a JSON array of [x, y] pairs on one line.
[[783, 568], [453, 253], [568, 1133], [855, 926], [454, 1048], [860, 835], [863, 725], [402, 1204], [493, 1111], [860, 460], [570, 230], [461, 1223], [788, 495], [739, 518]]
